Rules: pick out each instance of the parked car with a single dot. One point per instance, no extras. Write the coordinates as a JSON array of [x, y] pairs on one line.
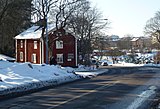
[[104, 63]]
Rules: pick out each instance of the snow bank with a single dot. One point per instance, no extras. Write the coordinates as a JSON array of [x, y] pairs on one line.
[[18, 78], [21, 77], [6, 58]]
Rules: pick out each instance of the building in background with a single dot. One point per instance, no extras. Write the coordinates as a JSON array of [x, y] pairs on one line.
[[137, 44]]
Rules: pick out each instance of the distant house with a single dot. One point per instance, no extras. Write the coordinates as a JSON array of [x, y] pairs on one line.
[[30, 47], [113, 40], [137, 43], [147, 42]]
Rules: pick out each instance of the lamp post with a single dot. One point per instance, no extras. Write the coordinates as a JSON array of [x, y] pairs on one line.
[[46, 33]]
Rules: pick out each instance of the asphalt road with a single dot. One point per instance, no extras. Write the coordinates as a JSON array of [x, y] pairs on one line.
[[119, 88]]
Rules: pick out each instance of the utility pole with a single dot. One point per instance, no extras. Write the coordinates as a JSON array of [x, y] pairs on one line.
[[46, 33]]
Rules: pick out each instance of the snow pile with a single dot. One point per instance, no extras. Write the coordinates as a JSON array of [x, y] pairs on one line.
[[21, 77], [127, 64], [6, 58], [135, 65], [90, 74], [85, 68]]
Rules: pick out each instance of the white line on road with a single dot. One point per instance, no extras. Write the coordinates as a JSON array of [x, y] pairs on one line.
[[79, 96], [142, 98]]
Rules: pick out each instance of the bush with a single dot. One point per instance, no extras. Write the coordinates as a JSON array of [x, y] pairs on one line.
[[157, 58]]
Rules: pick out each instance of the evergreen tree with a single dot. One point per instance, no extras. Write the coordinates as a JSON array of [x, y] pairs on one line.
[[14, 18]]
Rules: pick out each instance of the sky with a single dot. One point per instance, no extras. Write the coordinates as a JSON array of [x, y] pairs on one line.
[[127, 16]]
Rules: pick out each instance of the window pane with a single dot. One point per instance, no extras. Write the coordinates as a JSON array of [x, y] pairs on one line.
[[35, 44], [34, 58], [21, 56], [59, 44], [59, 58], [21, 43]]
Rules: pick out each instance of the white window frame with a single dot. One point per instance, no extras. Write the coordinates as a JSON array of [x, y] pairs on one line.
[[21, 43], [59, 44], [35, 44], [60, 58], [21, 56], [34, 59]]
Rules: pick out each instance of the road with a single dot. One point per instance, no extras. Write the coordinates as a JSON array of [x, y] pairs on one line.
[[119, 88]]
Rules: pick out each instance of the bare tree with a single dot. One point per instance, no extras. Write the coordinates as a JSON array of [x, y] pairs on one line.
[[76, 15], [41, 9], [63, 11], [86, 23], [152, 27], [57, 11]]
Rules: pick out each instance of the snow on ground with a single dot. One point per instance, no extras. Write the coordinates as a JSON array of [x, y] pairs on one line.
[[134, 65], [91, 73], [20, 77], [127, 64], [6, 58], [26, 76]]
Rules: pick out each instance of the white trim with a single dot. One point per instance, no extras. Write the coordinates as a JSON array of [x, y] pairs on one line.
[[16, 50], [25, 50], [42, 51], [76, 52]]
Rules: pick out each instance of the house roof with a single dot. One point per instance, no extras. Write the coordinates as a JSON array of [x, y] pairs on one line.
[[33, 33], [135, 39]]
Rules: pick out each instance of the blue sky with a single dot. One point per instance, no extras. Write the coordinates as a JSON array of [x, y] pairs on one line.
[[127, 16]]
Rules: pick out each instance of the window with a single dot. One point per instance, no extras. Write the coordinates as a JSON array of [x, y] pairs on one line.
[[21, 43], [59, 58], [21, 56], [59, 44], [70, 56], [58, 34], [34, 58], [35, 44]]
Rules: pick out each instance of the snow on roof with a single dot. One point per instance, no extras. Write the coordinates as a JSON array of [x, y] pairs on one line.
[[33, 33], [135, 39], [6, 58]]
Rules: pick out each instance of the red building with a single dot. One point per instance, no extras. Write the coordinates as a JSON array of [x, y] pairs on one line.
[[30, 47]]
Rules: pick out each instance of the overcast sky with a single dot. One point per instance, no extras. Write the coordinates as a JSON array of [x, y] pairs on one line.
[[127, 16]]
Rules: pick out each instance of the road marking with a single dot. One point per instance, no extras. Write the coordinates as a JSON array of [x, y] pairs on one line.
[[79, 96], [142, 98]]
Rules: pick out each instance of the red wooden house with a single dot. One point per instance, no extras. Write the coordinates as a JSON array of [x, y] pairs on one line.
[[30, 47]]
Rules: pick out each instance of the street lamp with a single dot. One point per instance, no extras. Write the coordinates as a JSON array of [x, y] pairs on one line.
[[46, 33]]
